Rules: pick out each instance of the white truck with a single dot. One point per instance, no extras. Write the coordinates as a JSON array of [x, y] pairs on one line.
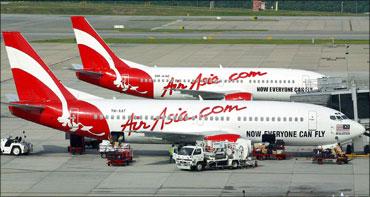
[[209, 154], [15, 146]]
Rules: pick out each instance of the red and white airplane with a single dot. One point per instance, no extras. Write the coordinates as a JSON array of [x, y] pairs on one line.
[[100, 66], [43, 99]]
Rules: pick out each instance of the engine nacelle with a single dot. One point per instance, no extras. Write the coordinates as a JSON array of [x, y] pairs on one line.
[[239, 96]]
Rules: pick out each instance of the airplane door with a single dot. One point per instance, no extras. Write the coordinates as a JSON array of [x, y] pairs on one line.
[[312, 120], [305, 81]]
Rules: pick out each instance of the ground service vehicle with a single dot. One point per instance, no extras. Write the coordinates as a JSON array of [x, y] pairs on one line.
[[119, 157], [211, 155], [334, 154], [270, 148], [117, 154], [15, 146]]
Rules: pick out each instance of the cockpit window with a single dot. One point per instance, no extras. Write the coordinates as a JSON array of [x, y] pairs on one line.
[[339, 117], [332, 117], [344, 117]]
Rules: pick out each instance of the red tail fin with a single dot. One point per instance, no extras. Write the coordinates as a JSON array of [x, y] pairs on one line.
[[33, 79], [95, 53]]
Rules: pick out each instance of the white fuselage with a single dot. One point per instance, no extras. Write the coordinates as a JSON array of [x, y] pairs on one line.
[[295, 123], [263, 83]]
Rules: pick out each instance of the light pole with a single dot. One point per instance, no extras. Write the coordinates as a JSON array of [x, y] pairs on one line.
[[347, 47]]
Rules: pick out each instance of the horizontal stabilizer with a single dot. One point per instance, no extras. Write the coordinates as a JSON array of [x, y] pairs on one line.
[[93, 74], [26, 106]]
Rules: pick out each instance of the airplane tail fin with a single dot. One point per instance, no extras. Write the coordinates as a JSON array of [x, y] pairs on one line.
[[33, 79], [95, 53]]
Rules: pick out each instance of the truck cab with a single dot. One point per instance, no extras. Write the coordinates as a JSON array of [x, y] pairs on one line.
[[189, 157]]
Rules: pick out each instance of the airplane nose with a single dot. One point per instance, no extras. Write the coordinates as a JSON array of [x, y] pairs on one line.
[[358, 129]]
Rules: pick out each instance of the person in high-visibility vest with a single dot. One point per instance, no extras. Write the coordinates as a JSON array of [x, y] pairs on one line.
[[170, 151]]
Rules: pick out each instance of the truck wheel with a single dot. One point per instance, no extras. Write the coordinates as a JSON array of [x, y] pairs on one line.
[[234, 164], [199, 166], [16, 151]]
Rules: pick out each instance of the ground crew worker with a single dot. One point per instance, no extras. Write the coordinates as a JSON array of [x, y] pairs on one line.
[[120, 140], [170, 151]]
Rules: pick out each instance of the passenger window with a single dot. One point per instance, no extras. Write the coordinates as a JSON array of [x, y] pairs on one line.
[[290, 119], [216, 118], [284, 81], [267, 119], [101, 117], [284, 119], [239, 118], [279, 81], [118, 116], [211, 118], [112, 117], [301, 119], [271, 81], [263, 81], [250, 119], [123, 117], [95, 116], [296, 119], [273, 119], [106, 117], [245, 118], [227, 118], [288, 81], [222, 118], [261, 118], [275, 81], [292, 81], [256, 119], [278, 119]]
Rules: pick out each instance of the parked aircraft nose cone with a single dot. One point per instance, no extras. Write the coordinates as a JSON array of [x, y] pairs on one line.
[[358, 129]]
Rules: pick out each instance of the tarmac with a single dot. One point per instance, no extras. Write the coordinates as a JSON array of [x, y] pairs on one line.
[[50, 170]]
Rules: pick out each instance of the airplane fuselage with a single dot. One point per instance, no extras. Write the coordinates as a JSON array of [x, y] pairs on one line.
[[295, 123]]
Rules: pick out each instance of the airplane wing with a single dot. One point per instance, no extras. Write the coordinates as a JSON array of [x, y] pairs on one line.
[[209, 95], [79, 69], [187, 137]]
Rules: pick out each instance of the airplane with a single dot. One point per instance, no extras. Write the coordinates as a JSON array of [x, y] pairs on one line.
[[43, 99], [100, 66]]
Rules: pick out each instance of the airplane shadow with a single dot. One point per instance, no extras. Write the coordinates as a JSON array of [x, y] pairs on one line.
[[52, 149]]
